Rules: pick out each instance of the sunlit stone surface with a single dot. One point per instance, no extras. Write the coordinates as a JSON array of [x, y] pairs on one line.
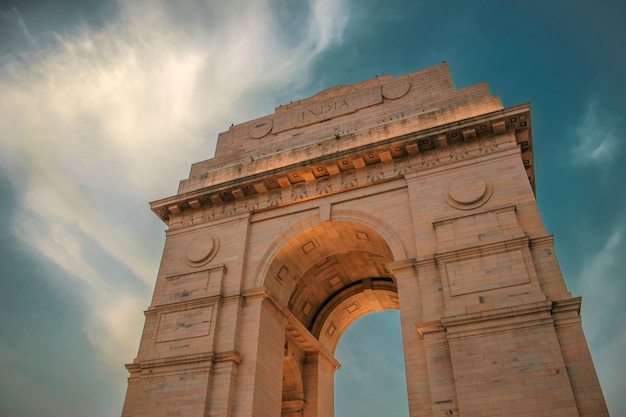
[[395, 193]]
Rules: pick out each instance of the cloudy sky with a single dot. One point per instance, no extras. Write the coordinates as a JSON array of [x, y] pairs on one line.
[[104, 105]]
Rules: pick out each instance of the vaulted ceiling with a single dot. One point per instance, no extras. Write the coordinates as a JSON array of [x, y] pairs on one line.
[[328, 263]]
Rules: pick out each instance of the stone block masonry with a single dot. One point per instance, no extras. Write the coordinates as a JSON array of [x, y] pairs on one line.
[[398, 193]]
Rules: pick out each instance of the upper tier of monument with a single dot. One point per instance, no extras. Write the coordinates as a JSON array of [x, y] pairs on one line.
[[386, 116]]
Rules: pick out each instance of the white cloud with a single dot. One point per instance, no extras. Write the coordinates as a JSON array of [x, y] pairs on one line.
[[596, 137], [611, 370], [600, 279], [105, 120], [603, 287]]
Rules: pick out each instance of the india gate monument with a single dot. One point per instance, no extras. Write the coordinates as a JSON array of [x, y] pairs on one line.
[[397, 193]]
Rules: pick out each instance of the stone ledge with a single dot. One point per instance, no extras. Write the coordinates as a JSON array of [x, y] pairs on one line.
[[313, 165], [196, 358], [499, 320]]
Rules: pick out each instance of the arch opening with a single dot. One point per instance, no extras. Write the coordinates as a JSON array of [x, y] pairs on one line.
[[372, 378], [326, 277]]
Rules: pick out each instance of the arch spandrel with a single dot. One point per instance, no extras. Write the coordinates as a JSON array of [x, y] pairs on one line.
[[386, 232], [263, 268]]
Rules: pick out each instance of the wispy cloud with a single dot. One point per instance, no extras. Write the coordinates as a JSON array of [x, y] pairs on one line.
[[599, 280], [596, 137], [105, 120], [603, 286], [13, 18]]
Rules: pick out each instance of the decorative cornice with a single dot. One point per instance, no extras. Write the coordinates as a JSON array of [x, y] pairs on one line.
[[293, 406], [566, 312], [351, 168], [405, 267], [430, 327], [230, 356], [256, 293], [569, 305], [547, 240]]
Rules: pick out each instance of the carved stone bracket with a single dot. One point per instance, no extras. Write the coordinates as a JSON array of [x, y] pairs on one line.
[[380, 161]]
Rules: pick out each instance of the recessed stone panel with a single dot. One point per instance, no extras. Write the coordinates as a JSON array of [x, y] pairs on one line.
[[194, 285], [283, 273], [306, 309], [351, 308], [308, 247], [185, 324], [334, 281], [487, 272]]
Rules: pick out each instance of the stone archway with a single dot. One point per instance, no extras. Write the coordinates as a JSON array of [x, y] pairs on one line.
[[401, 193], [327, 277]]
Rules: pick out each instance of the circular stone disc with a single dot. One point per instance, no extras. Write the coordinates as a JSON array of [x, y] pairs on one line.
[[467, 191], [396, 89], [200, 249], [261, 130]]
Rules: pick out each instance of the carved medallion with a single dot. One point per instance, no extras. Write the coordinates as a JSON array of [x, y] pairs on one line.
[[396, 89], [466, 193], [261, 130], [201, 250]]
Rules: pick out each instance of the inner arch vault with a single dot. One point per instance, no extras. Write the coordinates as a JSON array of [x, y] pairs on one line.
[[330, 275]]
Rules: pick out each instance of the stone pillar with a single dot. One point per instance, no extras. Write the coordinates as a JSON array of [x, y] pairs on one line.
[[580, 369], [133, 392], [439, 363], [319, 385], [508, 362], [411, 314], [262, 340], [220, 396], [221, 393]]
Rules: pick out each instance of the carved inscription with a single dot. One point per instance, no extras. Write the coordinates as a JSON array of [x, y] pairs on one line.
[[317, 111], [328, 109]]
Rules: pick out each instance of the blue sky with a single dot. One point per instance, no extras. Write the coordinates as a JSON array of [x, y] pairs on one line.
[[104, 105]]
